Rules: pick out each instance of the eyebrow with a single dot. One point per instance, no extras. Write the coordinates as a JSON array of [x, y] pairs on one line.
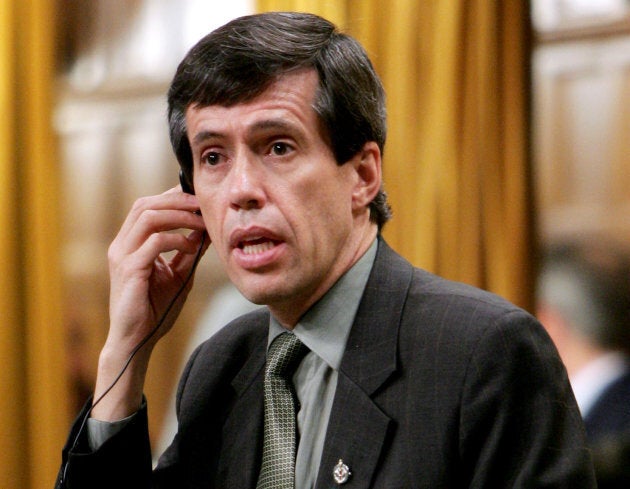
[[205, 135], [271, 124], [262, 125]]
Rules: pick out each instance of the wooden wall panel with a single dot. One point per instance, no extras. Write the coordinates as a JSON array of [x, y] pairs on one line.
[[581, 144]]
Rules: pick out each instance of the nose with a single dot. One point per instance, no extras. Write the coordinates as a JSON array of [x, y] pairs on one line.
[[247, 184]]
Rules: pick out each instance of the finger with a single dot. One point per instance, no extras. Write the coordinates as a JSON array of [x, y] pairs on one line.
[[153, 221], [175, 189], [141, 262], [158, 221], [181, 263], [197, 236], [171, 199]]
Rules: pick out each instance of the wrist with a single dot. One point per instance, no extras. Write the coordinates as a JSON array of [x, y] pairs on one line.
[[119, 383]]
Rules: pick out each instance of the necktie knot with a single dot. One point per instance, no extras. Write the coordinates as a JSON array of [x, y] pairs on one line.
[[284, 355]]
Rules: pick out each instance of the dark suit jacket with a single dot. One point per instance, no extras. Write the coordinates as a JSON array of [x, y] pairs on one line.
[[441, 386], [610, 414], [608, 434]]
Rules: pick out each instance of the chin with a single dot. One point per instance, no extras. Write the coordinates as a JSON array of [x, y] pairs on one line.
[[262, 298], [261, 294]]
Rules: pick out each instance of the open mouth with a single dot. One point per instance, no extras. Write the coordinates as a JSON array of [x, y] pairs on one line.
[[257, 246]]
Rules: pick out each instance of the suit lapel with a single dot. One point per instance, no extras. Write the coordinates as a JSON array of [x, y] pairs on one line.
[[242, 431], [357, 428]]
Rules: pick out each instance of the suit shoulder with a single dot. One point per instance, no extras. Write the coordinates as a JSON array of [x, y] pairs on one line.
[[244, 332], [429, 290], [231, 346], [424, 291], [465, 319], [432, 305], [216, 361]]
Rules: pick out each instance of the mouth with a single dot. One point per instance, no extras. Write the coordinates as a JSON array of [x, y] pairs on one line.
[[257, 246]]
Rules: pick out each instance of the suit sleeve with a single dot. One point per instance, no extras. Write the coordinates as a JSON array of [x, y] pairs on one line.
[[121, 462], [520, 425]]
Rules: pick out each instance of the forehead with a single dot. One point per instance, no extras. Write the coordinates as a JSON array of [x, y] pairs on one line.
[[289, 98]]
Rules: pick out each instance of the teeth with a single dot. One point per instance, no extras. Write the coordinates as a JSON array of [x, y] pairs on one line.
[[254, 249]]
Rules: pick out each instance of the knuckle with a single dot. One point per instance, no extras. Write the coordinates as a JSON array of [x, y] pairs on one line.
[[141, 204], [112, 253], [147, 216]]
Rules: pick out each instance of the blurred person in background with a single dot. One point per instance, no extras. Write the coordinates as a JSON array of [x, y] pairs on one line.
[[584, 303]]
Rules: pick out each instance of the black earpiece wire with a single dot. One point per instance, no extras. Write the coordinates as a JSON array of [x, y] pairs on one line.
[[157, 326]]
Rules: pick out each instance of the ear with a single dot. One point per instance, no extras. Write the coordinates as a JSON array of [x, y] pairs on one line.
[[367, 165]]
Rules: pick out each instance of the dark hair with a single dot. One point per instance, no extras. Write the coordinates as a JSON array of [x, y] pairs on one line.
[[240, 60], [587, 280]]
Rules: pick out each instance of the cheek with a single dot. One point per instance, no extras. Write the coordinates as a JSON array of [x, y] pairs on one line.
[[333, 198], [329, 213], [212, 220]]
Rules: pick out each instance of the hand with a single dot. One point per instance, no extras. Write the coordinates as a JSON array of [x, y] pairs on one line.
[[143, 283]]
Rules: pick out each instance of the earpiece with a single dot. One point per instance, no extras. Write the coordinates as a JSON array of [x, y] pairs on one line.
[[186, 185]]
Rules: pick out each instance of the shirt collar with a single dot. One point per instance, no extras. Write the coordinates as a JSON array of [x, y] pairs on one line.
[[325, 327]]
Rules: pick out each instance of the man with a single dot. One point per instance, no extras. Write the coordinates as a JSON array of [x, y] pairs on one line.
[[278, 122], [584, 303]]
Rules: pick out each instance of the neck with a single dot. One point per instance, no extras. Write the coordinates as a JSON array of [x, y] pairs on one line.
[[289, 312]]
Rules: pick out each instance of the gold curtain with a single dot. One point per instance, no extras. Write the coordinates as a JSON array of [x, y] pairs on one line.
[[457, 165], [333, 10], [33, 395]]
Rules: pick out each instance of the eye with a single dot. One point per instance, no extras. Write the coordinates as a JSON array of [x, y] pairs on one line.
[[280, 149], [211, 158]]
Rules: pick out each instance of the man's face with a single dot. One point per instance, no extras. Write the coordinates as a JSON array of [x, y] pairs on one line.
[[283, 216]]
